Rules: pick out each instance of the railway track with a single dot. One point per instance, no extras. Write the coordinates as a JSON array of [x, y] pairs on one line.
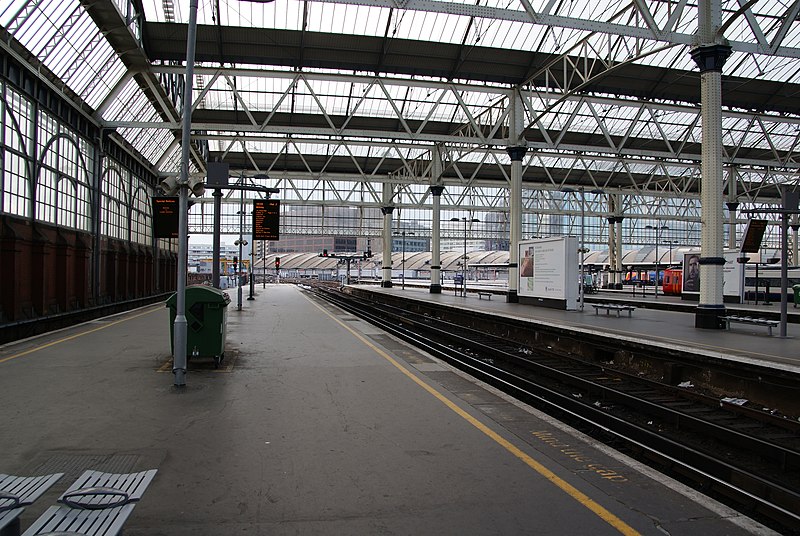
[[747, 459]]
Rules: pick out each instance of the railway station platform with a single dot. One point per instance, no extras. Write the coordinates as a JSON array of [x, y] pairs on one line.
[[665, 320], [319, 423]]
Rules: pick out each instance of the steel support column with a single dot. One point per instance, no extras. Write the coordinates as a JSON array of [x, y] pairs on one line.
[[516, 151], [612, 251], [732, 205], [710, 57], [216, 238], [436, 192], [615, 256], [386, 263], [180, 328]]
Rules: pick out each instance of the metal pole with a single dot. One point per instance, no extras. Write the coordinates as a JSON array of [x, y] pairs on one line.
[[180, 325], [241, 260], [464, 287], [215, 254], [757, 263], [656, 286], [784, 271], [403, 275], [583, 248], [251, 269]]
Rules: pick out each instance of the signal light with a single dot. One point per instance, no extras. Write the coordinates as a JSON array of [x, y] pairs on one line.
[[277, 263], [324, 252]]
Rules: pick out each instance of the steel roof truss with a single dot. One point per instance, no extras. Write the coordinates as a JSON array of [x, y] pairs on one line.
[[602, 125], [352, 112], [786, 24], [321, 107], [751, 21], [478, 132], [284, 95], [236, 96], [655, 32], [768, 139], [397, 112]]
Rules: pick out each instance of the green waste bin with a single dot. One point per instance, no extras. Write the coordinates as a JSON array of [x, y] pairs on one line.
[[206, 321], [796, 289]]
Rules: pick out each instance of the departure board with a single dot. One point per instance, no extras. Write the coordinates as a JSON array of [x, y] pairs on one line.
[[266, 219], [751, 243], [165, 217]]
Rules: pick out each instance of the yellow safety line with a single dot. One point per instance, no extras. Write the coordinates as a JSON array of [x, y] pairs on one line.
[[65, 339], [570, 490]]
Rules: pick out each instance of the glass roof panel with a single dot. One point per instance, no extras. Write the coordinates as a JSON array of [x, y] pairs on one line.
[[66, 40]]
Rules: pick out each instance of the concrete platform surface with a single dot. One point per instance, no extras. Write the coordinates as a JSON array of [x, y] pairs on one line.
[[317, 423], [667, 328]]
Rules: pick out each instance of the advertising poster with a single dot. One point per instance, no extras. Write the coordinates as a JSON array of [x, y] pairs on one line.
[[691, 272], [731, 273], [548, 271]]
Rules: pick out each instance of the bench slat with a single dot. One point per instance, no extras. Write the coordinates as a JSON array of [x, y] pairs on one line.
[[27, 488]]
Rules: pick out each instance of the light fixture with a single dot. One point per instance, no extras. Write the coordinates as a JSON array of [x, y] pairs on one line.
[[169, 186]]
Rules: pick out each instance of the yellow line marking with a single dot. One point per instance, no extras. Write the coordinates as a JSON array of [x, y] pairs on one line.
[[570, 490], [65, 339]]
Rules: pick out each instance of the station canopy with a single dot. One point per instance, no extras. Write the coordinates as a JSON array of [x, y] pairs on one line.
[[361, 89]]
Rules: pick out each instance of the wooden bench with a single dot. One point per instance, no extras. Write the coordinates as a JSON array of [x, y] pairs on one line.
[[97, 504], [16, 492], [769, 324], [482, 295], [613, 307]]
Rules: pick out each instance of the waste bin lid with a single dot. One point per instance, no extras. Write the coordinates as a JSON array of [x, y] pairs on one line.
[[201, 294]]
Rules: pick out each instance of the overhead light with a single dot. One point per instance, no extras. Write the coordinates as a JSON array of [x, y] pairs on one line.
[[169, 186], [196, 186]]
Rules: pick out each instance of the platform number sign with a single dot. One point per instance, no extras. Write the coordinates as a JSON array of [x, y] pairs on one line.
[[266, 219], [165, 217]]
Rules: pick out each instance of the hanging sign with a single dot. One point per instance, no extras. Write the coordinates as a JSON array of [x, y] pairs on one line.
[[266, 219], [165, 217], [751, 243]]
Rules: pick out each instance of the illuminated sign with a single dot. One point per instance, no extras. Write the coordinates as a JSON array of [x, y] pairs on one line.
[[165, 217], [266, 219]]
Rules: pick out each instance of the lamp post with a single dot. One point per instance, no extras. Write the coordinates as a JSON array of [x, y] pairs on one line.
[[251, 267], [671, 243], [658, 228], [466, 221], [241, 242], [403, 258]]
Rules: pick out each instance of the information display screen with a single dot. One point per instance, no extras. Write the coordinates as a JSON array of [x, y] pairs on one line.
[[751, 243], [266, 219], [165, 217]]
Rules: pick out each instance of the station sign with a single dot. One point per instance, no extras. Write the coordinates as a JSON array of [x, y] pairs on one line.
[[266, 219], [165, 217]]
